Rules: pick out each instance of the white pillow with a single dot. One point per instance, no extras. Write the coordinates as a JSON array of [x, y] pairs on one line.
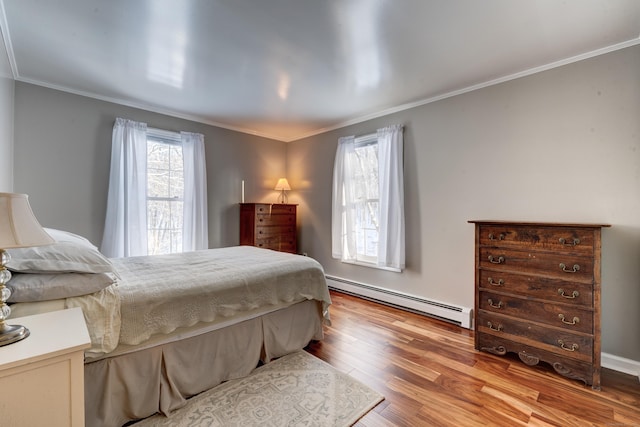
[[59, 257], [27, 287], [65, 236]]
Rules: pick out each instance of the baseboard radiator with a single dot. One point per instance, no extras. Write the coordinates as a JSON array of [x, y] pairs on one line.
[[461, 316]]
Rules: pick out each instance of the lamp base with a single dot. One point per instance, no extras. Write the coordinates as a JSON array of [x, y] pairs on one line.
[[283, 198], [12, 333]]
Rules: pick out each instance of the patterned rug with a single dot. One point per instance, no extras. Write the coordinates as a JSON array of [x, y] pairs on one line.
[[295, 390]]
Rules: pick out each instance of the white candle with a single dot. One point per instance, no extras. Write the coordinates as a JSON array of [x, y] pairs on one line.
[[243, 191]]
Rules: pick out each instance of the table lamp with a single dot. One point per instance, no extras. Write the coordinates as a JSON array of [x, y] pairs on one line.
[[19, 228], [283, 186]]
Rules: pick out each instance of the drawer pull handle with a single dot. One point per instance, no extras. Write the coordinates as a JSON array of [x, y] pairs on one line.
[[497, 328], [500, 282], [574, 294], [573, 347], [576, 268], [501, 236], [573, 322], [563, 241], [490, 301], [494, 260]]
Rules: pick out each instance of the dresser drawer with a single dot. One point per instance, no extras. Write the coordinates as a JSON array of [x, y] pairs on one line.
[[275, 219], [283, 209], [574, 345], [259, 208], [278, 243], [265, 208], [559, 315], [270, 231], [560, 266], [554, 290], [578, 241]]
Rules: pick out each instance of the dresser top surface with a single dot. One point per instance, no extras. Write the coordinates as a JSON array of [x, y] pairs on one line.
[[268, 204], [538, 224]]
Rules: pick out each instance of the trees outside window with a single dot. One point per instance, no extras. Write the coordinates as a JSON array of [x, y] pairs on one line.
[[365, 200], [165, 196]]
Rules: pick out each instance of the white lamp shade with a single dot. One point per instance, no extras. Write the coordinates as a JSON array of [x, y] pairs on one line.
[[283, 184], [18, 225]]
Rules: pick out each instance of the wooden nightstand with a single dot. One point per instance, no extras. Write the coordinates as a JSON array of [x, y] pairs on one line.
[[42, 376]]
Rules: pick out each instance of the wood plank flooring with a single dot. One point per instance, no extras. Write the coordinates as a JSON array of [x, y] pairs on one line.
[[431, 375]]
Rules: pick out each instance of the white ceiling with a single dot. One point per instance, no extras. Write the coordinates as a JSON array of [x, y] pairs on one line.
[[286, 69]]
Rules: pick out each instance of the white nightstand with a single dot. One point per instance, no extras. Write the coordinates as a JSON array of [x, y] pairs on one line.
[[42, 376]]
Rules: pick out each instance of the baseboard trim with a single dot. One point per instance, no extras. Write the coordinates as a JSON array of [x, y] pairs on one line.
[[620, 364], [461, 316]]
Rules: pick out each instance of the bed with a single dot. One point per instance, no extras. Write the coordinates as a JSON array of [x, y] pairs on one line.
[[164, 328]]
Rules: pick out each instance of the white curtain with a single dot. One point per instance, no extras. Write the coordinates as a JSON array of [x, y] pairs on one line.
[[391, 251], [391, 232], [343, 234], [125, 230], [195, 234]]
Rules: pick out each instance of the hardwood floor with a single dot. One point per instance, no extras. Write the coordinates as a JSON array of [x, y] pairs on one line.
[[431, 375]]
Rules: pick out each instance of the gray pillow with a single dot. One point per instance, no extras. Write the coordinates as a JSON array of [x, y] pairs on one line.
[[26, 287], [59, 257]]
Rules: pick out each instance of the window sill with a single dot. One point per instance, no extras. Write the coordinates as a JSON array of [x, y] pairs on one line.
[[370, 265]]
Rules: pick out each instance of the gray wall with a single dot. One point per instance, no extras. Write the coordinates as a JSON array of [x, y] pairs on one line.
[[561, 145], [63, 150], [6, 121]]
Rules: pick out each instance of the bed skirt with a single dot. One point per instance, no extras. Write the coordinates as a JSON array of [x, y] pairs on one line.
[[160, 379]]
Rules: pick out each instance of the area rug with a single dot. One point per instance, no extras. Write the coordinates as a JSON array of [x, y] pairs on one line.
[[296, 390]]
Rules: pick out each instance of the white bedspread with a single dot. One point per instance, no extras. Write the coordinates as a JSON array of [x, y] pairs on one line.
[[162, 293], [157, 295]]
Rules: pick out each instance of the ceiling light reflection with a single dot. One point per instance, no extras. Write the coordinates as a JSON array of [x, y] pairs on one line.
[[361, 39], [284, 83], [166, 61]]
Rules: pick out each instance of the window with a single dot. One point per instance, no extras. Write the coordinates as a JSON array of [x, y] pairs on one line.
[[365, 200], [157, 200], [368, 200], [165, 192]]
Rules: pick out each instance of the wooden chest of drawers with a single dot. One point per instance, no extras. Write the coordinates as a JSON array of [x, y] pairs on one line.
[[268, 226], [537, 294]]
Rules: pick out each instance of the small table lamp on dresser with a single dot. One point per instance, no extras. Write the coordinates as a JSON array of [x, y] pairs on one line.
[[18, 228], [283, 186]]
